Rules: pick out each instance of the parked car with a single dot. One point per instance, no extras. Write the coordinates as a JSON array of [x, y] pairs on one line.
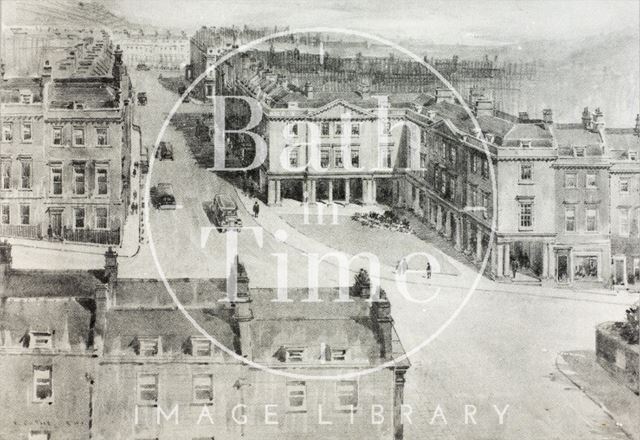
[[164, 151], [142, 66], [225, 213], [162, 196], [142, 98]]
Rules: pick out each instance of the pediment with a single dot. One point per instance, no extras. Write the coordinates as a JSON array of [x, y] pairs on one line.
[[335, 110]]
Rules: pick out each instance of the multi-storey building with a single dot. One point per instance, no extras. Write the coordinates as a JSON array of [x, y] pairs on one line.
[[161, 50], [582, 251], [624, 148], [91, 355], [47, 352], [504, 177], [66, 148]]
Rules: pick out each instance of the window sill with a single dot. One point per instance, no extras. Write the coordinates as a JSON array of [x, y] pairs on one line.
[[43, 402], [525, 182], [525, 229], [148, 404], [296, 411], [205, 403]]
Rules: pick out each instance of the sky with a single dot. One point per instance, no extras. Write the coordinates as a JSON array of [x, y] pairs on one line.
[[436, 21]]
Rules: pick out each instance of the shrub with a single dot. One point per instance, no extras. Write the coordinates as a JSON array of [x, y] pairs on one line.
[[630, 330]]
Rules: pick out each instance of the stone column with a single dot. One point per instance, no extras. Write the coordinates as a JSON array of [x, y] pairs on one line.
[[507, 259], [278, 192], [374, 191], [545, 260], [416, 201], [500, 252], [330, 202], [312, 191], [428, 209], [366, 192], [479, 244], [439, 218], [469, 243], [271, 192], [347, 191], [458, 245], [447, 225], [493, 258]]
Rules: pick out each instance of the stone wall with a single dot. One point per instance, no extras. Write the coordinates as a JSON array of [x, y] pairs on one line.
[[620, 359]]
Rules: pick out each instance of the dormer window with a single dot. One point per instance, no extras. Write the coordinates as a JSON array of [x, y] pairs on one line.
[[338, 354], [40, 340], [294, 354], [578, 151], [149, 346], [200, 347], [525, 144], [633, 155]]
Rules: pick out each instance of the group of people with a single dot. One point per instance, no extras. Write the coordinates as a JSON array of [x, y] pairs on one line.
[[403, 265]]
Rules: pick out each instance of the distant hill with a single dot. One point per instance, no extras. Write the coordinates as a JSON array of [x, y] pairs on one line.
[[60, 13]]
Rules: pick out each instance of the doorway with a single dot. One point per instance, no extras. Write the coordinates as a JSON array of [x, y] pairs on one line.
[[562, 271], [55, 221], [619, 271]]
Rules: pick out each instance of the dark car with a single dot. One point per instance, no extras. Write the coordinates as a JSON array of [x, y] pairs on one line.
[[142, 98], [164, 151], [162, 196], [225, 213], [142, 66]]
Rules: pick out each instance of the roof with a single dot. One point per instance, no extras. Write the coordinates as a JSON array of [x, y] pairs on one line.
[[226, 202], [152, 293], [125, 326], [307, 324], [575, 135], [50, 284], [356, 334], [91, 94], [11, 88], [164, 188], [68, 319], [622, 139]]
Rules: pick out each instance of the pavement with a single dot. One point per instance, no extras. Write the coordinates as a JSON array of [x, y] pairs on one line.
[[620, 403]]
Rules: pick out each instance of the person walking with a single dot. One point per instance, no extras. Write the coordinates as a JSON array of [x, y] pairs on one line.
[[403, 266], [256, 209], [514, 267], [428, 270]]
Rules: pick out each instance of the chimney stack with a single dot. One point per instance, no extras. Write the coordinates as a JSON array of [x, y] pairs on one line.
[[243, 312], [308, 90], [586, 119], [383, 323], [111, 266], [547, 116], [598, 120], [484, 107]]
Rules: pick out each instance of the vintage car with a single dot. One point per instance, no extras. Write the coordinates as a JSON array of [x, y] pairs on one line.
[[162, 196], [225, 213], [142, 98], [164, 151], [142, 66]]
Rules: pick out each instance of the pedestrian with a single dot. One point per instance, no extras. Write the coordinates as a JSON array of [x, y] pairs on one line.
[[514, 267], [427, 271], [397, 269], [256, 209], [50, 232], [403, 266]]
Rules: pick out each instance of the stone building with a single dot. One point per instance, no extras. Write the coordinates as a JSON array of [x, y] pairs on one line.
[[160, 50], [66, 138], [582, 251], [47, 352], [624, 149], [91, 355]]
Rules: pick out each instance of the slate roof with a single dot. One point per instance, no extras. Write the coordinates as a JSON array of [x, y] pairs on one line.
[[69, 319], [92, 94], [575, 135], [124, 326], [50, 284], [10, 89], [152, 293]]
